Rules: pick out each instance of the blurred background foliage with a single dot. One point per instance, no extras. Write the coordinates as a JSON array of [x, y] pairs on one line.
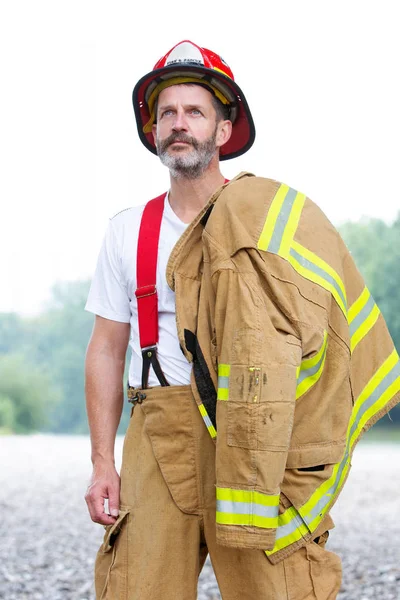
[[42, 358]]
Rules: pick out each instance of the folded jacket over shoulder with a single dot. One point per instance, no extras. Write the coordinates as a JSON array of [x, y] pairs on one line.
[[292, 358]]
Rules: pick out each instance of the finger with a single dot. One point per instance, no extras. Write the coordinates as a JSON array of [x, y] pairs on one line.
[[95, 502], [113, 499]]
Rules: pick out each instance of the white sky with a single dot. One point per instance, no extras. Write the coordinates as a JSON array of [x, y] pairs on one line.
[[321, 79]]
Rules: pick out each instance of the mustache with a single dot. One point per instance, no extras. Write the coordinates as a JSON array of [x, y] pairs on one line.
[[178, 137]]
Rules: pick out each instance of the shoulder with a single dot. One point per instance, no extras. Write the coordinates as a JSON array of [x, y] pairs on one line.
[[126, 222], [131, 215], [127, 215]]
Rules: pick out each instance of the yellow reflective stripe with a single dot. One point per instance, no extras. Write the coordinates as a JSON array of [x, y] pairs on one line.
[[324, 496], [247, 507], [384, 384], [272, 217], [251, 496], [365, 327], [321, 264], [291, 225], [207, 421], [370, 388], [382, 387], [359, 304], [282, 221], [212, 431], [310, 266], [290, 529], [202, 410], [224, 370], [363, 315], [393, 389], [223, 394], [247, 520], [311, 369]]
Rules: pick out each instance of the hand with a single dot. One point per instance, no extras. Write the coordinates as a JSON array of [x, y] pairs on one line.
[[104, 484]]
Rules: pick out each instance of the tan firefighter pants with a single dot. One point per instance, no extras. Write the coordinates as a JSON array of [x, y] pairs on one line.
[[166, 526]]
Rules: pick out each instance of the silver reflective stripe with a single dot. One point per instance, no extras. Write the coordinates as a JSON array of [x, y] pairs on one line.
[[281, 221], [246, 508], [223, 382], [318, 271], [312, 370], [362, 315], [284, 530], [207, 420], [376, 394]]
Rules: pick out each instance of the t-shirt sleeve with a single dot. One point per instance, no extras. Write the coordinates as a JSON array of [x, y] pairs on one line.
[[108, 296]]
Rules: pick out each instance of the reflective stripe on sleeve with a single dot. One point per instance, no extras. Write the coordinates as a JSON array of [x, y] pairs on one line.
[[277, 236], [247, 507], [378, 392], [282, 221], [224, 372], [363, 315], [311, 369], [310, 266]]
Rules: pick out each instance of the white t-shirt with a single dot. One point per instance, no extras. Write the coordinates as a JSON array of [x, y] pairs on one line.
[[112, 293]]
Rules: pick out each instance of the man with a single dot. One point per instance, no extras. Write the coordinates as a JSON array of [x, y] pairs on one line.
[[270, 360]]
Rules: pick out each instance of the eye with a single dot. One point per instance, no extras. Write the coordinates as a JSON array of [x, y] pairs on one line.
[[167, 113], [195, 111]]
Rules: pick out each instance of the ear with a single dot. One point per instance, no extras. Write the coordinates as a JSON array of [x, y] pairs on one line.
[[224, 132]]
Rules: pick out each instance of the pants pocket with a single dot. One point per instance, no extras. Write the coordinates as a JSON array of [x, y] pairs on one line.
[[313, 573], [168, 423], [111, 567]]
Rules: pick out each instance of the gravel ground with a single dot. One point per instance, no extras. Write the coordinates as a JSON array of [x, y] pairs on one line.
[[48, 542]]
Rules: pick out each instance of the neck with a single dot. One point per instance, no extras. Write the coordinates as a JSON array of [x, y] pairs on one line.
[[188, 196]]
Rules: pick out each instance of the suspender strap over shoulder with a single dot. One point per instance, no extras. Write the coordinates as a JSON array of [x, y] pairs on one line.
[[146, 292]]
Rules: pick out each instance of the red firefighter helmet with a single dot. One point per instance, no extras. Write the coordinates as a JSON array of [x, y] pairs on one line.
[[188, 63]]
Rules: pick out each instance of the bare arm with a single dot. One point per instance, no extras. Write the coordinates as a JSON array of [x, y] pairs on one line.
[[105, 362]]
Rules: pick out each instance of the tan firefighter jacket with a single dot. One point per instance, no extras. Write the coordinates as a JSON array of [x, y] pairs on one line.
[[288, 348]]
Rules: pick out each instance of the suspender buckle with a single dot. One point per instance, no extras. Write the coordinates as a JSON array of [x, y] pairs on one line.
[[145, 290], [135, 396]]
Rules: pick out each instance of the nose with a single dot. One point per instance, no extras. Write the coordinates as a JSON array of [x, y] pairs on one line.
[[180, 122]]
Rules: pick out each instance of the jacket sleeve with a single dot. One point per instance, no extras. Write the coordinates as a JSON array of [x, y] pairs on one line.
[[257, 367]]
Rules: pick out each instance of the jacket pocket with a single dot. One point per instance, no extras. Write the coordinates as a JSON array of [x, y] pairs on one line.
[[265, 426], [307, 472], [261, 407], [111, 568], [311, 456]]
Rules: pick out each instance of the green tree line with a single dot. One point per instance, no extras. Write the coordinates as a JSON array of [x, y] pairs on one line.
[[42, 358]]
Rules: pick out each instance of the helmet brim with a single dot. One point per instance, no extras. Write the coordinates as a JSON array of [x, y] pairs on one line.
[[243, 130]]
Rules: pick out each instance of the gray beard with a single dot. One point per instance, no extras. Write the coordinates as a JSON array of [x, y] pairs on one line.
[[193, 164]]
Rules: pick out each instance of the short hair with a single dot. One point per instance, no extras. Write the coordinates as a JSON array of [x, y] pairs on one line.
[[223, 110]]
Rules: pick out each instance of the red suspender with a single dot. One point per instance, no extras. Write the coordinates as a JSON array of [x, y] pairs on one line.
[[146, 292], [146, 268]]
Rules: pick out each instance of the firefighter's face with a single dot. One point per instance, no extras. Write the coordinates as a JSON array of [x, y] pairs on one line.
[[187, 133]]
